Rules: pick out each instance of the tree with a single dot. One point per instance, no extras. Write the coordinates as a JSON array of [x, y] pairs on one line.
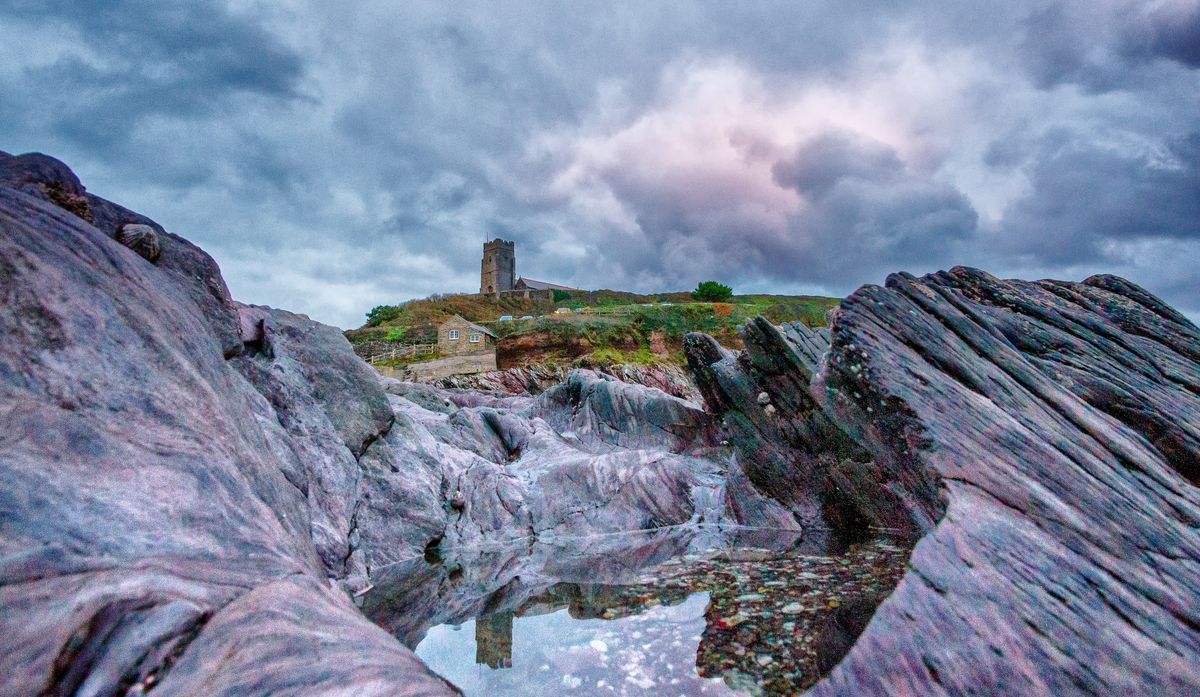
[[711, 291], [382, 313]]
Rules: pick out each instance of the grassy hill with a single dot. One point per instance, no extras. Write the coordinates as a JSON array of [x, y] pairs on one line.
[[609, 327]]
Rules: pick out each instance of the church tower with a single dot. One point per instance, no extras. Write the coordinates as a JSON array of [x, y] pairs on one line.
[[498, 272]]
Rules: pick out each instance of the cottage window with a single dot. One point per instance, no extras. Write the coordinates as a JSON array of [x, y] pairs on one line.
[[454, 335], [475, 338]]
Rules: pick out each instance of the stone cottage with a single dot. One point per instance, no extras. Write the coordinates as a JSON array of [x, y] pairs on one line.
[[457, 337]]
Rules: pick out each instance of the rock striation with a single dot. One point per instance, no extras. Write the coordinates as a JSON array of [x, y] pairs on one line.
[[1040, 438], [790, 452], [1043, 436]]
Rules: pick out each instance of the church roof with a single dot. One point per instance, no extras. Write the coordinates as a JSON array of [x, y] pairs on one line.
[[541, 285]]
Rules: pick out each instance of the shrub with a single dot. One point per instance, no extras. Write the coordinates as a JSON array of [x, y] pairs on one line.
[[713, 292], [561, 295]]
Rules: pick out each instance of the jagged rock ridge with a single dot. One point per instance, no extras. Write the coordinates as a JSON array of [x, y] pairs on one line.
[[1042, 436]]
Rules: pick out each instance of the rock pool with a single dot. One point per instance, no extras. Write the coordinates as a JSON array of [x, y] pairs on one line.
[[685, 611]]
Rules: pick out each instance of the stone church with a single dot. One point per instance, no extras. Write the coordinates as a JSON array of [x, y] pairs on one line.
[[498, 273]]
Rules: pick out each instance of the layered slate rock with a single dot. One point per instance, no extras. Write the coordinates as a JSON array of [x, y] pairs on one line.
[[792, 458], [1043, 438], [165, 521]]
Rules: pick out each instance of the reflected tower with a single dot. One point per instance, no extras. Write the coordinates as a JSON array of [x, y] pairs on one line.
[[493, 640]]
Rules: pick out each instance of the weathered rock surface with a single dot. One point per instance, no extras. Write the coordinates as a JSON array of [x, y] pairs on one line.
[[188, 487], [162, 521], [1043, 436], [789, 449], [591, 455], [536, 379]]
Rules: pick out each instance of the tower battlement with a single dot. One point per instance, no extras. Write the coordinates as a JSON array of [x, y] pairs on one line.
[[498, 270]]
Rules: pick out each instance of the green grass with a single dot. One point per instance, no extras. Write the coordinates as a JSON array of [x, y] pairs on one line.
[[623, 331]]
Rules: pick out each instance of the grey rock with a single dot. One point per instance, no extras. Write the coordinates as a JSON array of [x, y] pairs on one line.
[[159, 516], [1042, 436], [790, 449], [536, 379]]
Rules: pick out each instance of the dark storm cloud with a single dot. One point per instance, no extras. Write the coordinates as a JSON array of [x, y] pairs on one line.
[[133, 61], [334, 157], [1171, 31], [865, 208], [1084, 198]]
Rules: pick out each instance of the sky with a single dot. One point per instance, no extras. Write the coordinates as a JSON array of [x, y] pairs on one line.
[[337, 156]]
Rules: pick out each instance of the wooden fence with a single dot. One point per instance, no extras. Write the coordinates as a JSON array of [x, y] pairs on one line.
[[403, 352]]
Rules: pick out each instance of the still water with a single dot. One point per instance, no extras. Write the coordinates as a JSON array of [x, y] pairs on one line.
[[675, 613]]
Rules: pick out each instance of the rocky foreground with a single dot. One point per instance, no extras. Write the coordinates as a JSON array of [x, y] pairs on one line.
[[191, 490]]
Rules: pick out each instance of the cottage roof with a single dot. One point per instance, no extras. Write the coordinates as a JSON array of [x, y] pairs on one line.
[[470, 325]]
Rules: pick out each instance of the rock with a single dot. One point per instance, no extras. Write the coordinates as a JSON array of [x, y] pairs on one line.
[[602, 409], [163, 516], [535, 379], [764, 398], [788, 448], [48, 179], [1043, 438], [189, 486], [141, 239]]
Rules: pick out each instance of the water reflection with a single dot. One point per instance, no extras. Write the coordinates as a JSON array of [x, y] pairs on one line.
[[685, 612]]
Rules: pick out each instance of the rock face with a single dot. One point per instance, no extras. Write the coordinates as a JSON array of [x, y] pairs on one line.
[[536, 379], [790, 451], [1045, 435], [189, 486], [593, 454], [1042, 436], [163, 522]]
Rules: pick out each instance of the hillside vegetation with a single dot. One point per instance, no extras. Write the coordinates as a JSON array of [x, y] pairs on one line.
[[609, 327]]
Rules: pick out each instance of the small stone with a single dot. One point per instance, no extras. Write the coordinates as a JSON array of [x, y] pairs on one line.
[[764, 398], [792, 609], [458, 502]]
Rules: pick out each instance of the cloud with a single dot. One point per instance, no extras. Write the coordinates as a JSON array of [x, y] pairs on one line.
[[336, 158]]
